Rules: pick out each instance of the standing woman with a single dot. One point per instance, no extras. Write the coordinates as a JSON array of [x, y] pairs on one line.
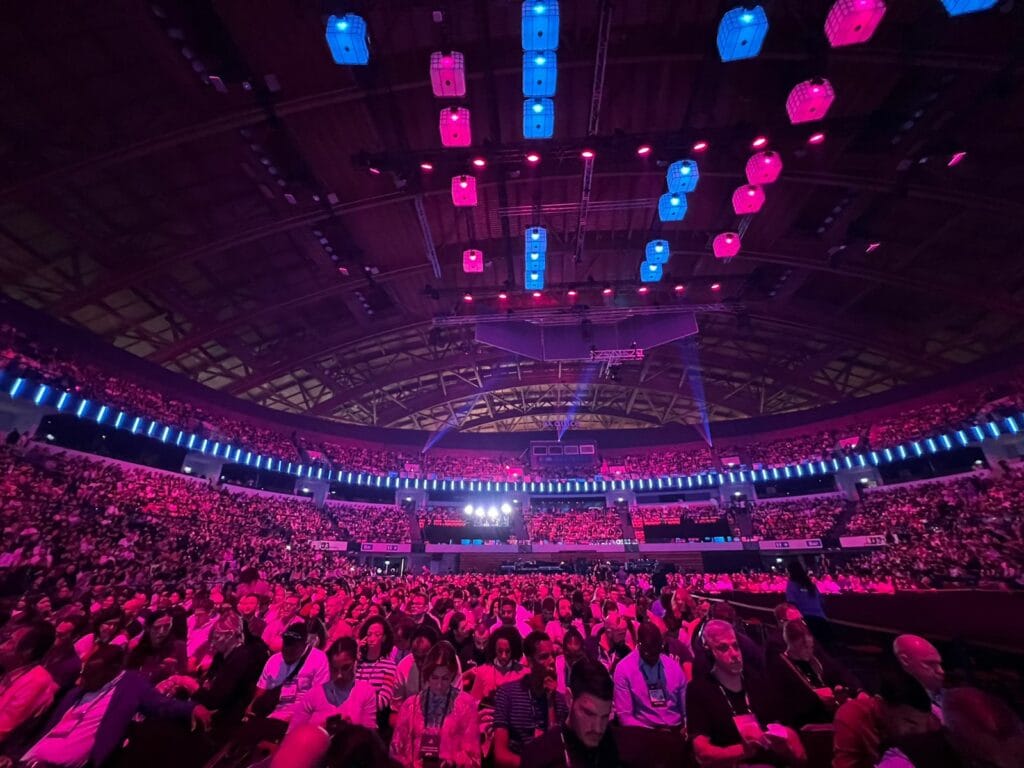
[[438, 726], [802, 592]]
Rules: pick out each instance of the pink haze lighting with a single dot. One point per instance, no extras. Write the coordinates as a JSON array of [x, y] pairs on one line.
[[464, 191], [427, 166], [810, 100], [468, 298], [587, 154], [850, 22], [726, 245], [642, 289], [607, 291], [643, 150], [816, 138], [533, 157], [872, 247], [572, 293], [700, 146], [759, 142], [747, 199], [680, 288], [502, 295], [375, 171], [479, 162], [536, 294], [455, 127], [956, 159], [764, 167], [716, 287]]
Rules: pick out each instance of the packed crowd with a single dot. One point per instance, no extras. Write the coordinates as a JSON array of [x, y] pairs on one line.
[[368, 522], [21, 356], [963, 531], [258, 665], [590, 525], [804, 517], [650, 515]]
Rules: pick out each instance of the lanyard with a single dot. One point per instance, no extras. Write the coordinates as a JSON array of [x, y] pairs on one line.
[[659, 676], [746, 699]]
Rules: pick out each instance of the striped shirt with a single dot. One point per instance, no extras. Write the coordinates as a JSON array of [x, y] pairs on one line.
[[522, 714], [381, 675]]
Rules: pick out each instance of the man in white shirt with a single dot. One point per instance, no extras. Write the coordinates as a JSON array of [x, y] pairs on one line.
[[562, 621], [296, 669]]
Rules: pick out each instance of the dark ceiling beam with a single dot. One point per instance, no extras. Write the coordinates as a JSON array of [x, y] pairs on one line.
[[813, 261], [644, 418], [158, 264], [804, 319], [733, 398], [250, 116], [393, 376]]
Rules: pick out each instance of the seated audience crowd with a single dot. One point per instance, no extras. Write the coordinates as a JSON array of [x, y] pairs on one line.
[[804, 517], [590, 525]]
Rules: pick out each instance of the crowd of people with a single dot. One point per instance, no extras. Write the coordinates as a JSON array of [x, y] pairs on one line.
[[651, 515], [22, 356], [259, 664], [577, 525], [963, 531], [369, 522], [799, 518]]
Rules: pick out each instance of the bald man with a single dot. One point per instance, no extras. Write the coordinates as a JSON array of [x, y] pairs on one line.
[[922, 661]]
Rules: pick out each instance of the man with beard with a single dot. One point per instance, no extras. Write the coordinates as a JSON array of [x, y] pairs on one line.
[[583, 740], [563, 620], [526, 708]]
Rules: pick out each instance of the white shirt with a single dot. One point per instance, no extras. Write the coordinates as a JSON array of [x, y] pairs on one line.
[[69, 743], [314, 673]]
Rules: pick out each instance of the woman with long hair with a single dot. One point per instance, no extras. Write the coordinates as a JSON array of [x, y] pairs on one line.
[[438, 726], [374, 665]]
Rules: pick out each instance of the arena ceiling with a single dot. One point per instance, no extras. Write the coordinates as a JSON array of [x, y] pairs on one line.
[[191, 180]]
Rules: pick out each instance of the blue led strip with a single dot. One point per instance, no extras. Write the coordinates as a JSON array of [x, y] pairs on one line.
[[44, 396]]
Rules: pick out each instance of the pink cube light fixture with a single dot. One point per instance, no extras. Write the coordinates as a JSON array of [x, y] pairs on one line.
[[472, 261], [726, 245], [747, 199], [455, 127], [448, 74], [850, 22], [810, 100], [464, 191], [764, 167]]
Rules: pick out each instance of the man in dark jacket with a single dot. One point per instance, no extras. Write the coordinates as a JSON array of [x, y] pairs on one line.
[[91, 721]]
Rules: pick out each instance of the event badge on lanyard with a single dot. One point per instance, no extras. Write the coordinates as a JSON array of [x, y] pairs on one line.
[[657, 694], [430, 748]]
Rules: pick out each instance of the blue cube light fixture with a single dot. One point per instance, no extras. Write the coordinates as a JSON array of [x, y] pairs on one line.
[[683, 176], [538, 118], [741, 33], [961, 7], [650, 273], [540, 25], [657, 252], [672, 207], [540, 73], [346, 38], [536, 239], [534, 280]]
